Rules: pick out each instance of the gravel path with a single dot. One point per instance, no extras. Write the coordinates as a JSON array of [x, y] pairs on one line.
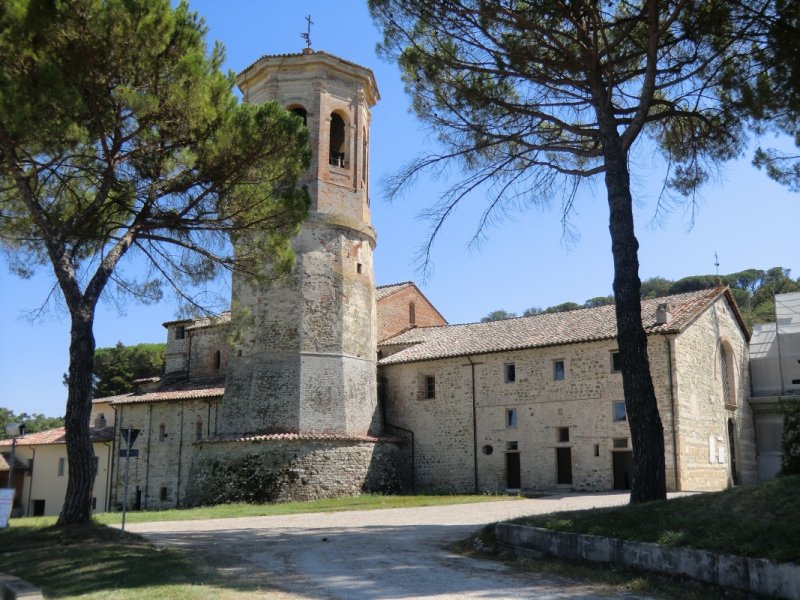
[[392, 553]]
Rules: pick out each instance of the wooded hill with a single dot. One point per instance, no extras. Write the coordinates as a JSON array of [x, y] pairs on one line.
[[753, 289]]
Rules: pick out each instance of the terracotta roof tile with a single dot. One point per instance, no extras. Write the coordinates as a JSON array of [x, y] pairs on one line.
[[262, 437], [382, 291], [193, 391], [57, 436], [553, 329]]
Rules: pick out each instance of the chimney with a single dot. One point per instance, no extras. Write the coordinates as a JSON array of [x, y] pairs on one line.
[[100, 421], [663, 314]]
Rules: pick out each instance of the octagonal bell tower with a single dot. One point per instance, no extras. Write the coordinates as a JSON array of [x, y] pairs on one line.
[[305, 356]]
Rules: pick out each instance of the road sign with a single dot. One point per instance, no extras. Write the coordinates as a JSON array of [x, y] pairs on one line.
[[129, 453], [130, 435]]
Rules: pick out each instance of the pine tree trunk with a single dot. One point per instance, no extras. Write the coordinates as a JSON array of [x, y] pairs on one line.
[[80, 453], [647, 432]]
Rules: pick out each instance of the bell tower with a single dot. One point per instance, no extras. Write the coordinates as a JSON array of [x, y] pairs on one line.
[[304, 360]]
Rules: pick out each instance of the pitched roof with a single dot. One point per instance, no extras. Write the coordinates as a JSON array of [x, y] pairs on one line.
[[187, 390], [553, 329], [382, 291], [57, 436], [5, 462]]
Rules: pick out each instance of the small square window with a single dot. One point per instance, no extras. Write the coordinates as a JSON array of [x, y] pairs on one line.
[[511, 417], [620, 413], [616, 362], [512, 446], [620, 442], [558, 370], [563, 434], [430, 387], [180, 332], [511, 373]]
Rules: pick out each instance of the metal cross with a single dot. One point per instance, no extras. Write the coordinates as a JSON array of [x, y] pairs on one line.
[[307, 34], [716, 262]]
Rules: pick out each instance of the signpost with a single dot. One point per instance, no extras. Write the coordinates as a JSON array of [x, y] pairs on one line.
[[6, 504], [129, 436]]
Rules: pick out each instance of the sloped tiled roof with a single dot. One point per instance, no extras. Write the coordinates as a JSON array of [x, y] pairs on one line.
[[264, 437], [553, 329], [5, 461], [57, 436], [387, 290], [194, 390]]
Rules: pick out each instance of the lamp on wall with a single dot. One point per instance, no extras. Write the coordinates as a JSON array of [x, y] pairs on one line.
[[13, 430]]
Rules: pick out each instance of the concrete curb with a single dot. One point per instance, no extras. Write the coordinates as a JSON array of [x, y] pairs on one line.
[[757, 575], [12, 588]]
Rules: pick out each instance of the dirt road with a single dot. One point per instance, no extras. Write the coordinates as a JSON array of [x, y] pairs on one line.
[[393, 553]]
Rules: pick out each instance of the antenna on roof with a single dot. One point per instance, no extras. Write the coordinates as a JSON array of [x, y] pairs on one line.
[[307, 34], [716, 262]]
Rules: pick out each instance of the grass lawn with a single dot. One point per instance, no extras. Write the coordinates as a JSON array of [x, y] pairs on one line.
[[96, 561], [757, 521]]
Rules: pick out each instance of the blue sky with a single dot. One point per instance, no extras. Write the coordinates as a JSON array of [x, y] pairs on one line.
[[523, 261]]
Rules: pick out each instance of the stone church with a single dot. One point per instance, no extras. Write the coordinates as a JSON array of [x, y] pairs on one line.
[[329, 385]]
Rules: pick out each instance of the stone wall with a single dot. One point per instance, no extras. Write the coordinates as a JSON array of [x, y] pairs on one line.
[[701, 412], [528, 415], [208, 349], [284, 469], [161, 471], [394, 313]]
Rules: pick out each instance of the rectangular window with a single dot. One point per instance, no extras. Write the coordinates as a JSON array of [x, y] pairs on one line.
[[620, 442], [61, 466], [198, 431], [512, 446], [96, 466], [511, 417], [511, 373], [162, 432], [30, 466], [620, 414], [94, 503], [563, 434], [597, 449], [558, 370], [616, 362], [163, 494], [430, 387], [180, 332]]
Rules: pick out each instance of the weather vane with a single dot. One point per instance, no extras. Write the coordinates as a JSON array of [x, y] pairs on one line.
[[307, 34]]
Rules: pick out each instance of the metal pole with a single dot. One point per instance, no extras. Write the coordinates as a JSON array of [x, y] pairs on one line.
[[127, 471], [11, 466]]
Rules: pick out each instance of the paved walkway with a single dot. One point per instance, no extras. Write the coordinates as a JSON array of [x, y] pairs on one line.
[[393, 553]]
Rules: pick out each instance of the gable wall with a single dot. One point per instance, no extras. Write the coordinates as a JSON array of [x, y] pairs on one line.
[[393, 313], [701, 412]]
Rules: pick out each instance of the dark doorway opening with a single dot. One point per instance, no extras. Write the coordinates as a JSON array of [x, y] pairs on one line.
[[564, 466], [513, 479], [622, 463], [38, 508], [732, 444]]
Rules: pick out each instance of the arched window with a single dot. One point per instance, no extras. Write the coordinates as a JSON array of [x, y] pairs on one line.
[[726, 375], [337, 141], [300, 112], [412, 313]]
